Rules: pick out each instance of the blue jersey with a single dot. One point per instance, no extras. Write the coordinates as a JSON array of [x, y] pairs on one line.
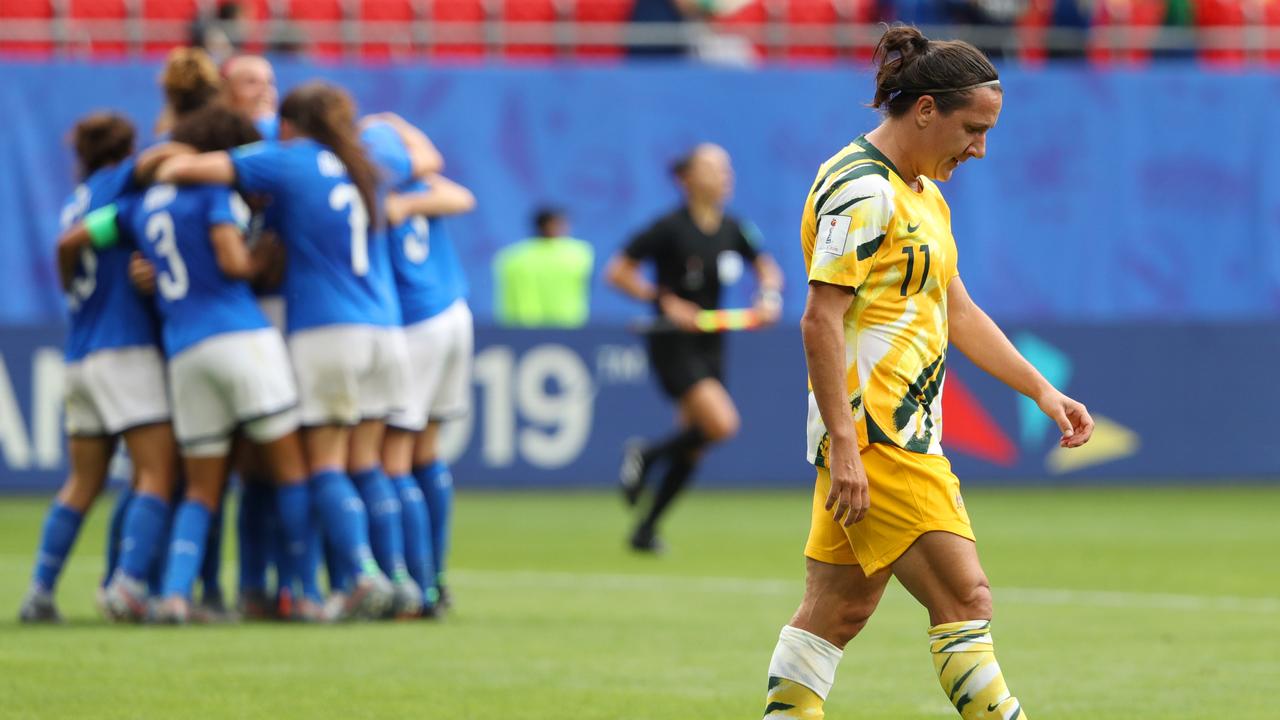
[[170, 225], [338, 271], [106, 312], [429, 276], [268, 127]]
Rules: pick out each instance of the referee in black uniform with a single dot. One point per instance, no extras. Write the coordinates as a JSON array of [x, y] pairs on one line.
[[686, 246]]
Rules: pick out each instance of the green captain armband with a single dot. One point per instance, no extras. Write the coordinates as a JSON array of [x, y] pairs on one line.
[[101, 224]]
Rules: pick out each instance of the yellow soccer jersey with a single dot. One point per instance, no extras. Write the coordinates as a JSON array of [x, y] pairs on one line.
[[866, 229]]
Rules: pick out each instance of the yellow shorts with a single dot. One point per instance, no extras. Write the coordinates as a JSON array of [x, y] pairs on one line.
[[911, 494]]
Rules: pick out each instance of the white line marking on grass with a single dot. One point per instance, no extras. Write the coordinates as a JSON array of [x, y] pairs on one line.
[[762, 586]]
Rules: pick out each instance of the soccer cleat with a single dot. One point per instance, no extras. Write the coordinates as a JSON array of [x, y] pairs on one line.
[[407, 600], [255, 605], [38, 607], [643, 540], [306, 610], [173, 610], [444, 598], [370, 598], [212, 610], [631, 476], [126, 599]]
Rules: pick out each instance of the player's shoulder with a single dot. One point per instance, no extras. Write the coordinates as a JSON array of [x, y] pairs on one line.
[[854, 174]]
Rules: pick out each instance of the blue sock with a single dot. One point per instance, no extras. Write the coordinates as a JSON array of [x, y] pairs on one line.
[[61, 526], [293, 503], [346, 527], [386, 531], [143, 525], [417, 534], [190, 531], [155, 579], [114, 529], [253, 521], [437, 487], [211, 564]]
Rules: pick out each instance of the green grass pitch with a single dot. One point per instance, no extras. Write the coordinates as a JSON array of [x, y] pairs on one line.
[[1159, 604]]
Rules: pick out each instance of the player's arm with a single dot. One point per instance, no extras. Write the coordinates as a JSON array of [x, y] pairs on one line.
[[212, 168], [976, 335], [144, 171], [822, 329], [231, 253], [97, 230], [443, 197], [424, 158]]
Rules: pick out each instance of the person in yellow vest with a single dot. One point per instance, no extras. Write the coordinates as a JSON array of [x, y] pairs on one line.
[[544, 281]]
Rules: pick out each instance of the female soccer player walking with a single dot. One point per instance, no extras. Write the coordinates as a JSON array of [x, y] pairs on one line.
[[687, 246], [341, 313], [885, 299]]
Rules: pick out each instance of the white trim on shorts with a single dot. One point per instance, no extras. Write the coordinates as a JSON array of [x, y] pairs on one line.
[[113, 391]]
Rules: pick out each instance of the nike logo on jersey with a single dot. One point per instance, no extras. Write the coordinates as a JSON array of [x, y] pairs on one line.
[[912, 228]]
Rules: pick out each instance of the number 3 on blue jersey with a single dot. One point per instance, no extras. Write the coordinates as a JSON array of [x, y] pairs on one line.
[[173, 283], [345, 196]]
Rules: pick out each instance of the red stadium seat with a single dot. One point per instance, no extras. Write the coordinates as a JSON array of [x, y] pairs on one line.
[[811, 26], [463, 33], [176, 17], [387, 19], [536, 16], [321, 23], [747, 21], [33, 12], [616, 12], [1220, 15], [99, 26], [1031, 27], [1142, 18]]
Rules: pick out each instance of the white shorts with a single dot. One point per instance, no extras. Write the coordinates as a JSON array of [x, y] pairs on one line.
[[440, 350], [112, 391], [349, 373], [239, 380]]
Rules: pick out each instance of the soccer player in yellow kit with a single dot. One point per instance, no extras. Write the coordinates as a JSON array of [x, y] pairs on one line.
[[885, 299]]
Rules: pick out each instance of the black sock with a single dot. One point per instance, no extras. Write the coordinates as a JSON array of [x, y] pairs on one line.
[[681, 443], [673, 482]]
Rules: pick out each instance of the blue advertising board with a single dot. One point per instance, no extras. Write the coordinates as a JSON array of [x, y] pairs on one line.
[[554, 408]]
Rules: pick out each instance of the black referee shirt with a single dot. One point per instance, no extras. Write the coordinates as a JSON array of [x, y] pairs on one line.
[[688, 260]]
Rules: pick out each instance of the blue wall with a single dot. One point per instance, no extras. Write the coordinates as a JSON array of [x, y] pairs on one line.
[[1105, 197]]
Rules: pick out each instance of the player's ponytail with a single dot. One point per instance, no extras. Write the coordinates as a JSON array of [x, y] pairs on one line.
[[327, 114], [102, 139], [910, 65], [190, 80]]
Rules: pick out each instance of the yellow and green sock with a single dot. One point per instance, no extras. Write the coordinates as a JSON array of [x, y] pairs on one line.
[[965, 660], [800, 676]]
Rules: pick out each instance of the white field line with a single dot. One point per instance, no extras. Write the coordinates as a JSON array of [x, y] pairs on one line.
[[586, 582]]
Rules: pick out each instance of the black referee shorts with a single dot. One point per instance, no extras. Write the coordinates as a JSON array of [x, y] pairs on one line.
[[680, 360]]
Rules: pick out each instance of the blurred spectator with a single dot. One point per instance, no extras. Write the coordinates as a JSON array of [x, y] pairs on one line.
[[222, 34], [544, 281]]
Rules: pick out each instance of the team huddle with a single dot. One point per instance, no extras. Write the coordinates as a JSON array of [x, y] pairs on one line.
[[269, 291]]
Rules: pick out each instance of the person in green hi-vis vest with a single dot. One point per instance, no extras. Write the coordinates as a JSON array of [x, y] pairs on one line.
[[544, 281]]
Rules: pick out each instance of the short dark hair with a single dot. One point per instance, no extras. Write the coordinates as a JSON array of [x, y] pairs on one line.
[[215, 127], [911, 65], [543, 217], [102, 139]]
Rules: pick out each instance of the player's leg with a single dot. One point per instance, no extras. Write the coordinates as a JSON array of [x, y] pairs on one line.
[[296, 569], [206, 472], [942, 571], [212, 603], [255, 529], [397, 460], [144, 531], [115, 526], [90, 458], [709, 416], [839, 599], [436, 482], [386, 529]]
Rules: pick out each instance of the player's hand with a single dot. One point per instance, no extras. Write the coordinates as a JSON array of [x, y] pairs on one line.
[[682, 313], [768, 308], [1071, 417], [850, 496], [394, 208], [142, 274]]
